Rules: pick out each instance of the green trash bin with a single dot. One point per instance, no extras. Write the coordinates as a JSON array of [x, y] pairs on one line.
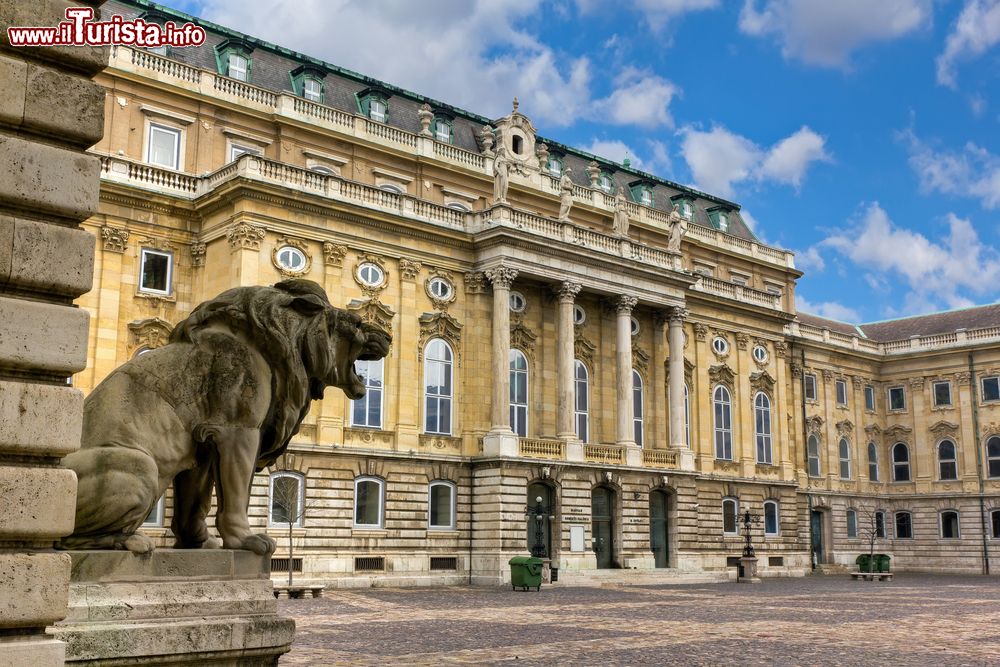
[[526, 572], [882, 562], [863, 561]]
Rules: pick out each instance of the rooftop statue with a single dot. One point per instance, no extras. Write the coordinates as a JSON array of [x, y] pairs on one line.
[[565, 195], [678, 228], [620, 222], [221, 399], [501, 175]]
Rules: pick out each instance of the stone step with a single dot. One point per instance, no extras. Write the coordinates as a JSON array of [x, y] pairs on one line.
[[641, 577]]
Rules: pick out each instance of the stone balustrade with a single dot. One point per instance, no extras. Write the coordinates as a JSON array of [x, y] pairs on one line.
[[539, 448], [895, 347], [609, 454]]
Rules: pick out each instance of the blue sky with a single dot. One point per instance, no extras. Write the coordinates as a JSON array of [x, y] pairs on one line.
[[862, 134]]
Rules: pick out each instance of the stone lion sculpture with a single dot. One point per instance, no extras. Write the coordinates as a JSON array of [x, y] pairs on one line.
[[219, 401]]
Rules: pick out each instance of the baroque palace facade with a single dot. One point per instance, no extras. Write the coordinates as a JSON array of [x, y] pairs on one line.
[[586, 358]]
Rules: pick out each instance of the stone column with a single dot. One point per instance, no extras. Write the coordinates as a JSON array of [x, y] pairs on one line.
[[675, 343], [50, 114], [566, 294], [659, 428], [624, 434], [501, 439]]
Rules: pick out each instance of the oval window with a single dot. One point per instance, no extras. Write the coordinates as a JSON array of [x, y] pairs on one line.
[[760, 353], [720, 345], [635, 327], [371, 274], [291, 259], [579, 315], [440, 288], [517, 302]]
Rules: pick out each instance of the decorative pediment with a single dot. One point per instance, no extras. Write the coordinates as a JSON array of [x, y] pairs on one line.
[[440, 325], [523, 338], [762, 381], [814, 425], [991, 429], [640, 360], [373, 312], [722, 374], [584, 349], [943, 428], [149, 333], [873, 431], [688, 373], [897, 431], [845, 428]]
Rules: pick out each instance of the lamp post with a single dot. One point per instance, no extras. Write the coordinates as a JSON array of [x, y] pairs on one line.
[[749, 559], [539, 513]]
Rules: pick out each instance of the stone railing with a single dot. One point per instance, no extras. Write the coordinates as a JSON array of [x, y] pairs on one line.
[[659, 458], [895, 347], [212, 84], [136, 173], [741, 293], [610, 454], [538, 448]]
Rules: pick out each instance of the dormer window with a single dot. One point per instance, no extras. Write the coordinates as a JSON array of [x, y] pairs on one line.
[[720, 218], [685, 207], [307, 82], [642, 193], [605, 182], [374, 104], [443, 130], [233, 59], [555, 166], [312, 89]]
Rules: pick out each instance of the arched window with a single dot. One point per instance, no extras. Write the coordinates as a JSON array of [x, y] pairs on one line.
[[437, 387], [771, 523], [286, 493], [369, 510], [762, 427], [519, 393], [723, 423], [995, 524], [947, 463], [637, 405], [581, 384], [730, 515], [993, 456], [687, 417], [949, 525], [900, 462], [367, 410], [845, 458], [441, 505], [812, 451], [852, 523], [872, 462], [904, 526]]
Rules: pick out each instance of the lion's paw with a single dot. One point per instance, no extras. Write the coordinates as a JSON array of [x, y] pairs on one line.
[[259, 544], [138, 544], [212, 543]]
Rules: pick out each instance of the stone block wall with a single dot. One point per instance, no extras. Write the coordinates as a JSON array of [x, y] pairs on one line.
[[51, 112]]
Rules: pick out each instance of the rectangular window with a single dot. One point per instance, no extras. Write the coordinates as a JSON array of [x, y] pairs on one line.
[[995, 523], [442, 132], [312, 90], [367, 410], [155, 517], [897, 398], [730, 513], [842, 393], [155, 271], [376, 110], [442, 506], [809, 381], [238, 67], [904, 526], [942, 394], [880, 524], [164, 146], [991, 389], [869, 398], [770, 518], [235, 150], [852, 523]]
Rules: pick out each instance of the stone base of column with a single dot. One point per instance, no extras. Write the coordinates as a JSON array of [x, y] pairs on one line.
[[685, 458], [178, 607], [500, 443], [749, 565]]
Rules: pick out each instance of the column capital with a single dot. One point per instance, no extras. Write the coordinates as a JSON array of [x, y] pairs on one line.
[[677, 314], [501, 276], [625, 303], [567, 290]]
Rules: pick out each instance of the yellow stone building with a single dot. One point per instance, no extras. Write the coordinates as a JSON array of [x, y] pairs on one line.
[[586, 359]]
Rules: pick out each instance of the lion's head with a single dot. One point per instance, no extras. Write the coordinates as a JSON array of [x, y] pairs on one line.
[[308, 343]]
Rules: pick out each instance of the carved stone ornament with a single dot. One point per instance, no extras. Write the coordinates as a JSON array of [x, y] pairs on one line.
[[334, 253], [897, 431], [244, 236], [814, 425], [762, 381], [640, 360], [426, 116], [440, 325], [827, 375], [963, 379], [742, 340], [722, 374], [441, 303], [780, 349], [487, 140], [593, 173], [917, 384], [501, 276], [990, 429], [409, 269], [873, 431], [115, 239], [371, 291], [198, 250], [796, 369], [700, 331], [299, 245], [374, 312], [583, 348], [523, 338], [625, 303], [150, 334], [237, 378], [944, 428], [475, 282], [157, 243], [567, 291], [845, 428]]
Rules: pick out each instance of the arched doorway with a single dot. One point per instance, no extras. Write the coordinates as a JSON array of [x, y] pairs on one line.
[[659, 542], [539, 525], [602, 525]]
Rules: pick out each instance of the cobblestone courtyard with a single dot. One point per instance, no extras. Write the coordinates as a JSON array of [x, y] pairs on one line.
[[914, 620]]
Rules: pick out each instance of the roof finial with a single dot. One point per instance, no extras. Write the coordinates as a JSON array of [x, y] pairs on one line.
[[515, 103], [626, 162]]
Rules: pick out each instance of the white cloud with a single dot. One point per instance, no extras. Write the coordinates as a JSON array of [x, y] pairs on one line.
[[660, 12], [826, 32], [976, 31], [970, 172], [719, 158], [639, 98], [943, 272], [613, 150], [831, 310], [809, 260], [977, 103]]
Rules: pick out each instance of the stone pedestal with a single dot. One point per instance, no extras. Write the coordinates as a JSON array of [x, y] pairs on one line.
[[177, 607], [749, 565]]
